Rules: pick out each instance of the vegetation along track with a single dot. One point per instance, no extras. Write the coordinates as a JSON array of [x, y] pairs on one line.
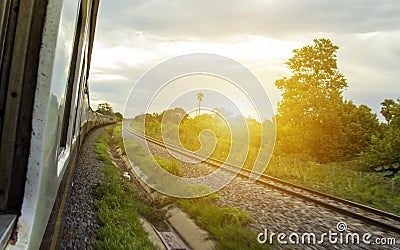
[[367, 214]]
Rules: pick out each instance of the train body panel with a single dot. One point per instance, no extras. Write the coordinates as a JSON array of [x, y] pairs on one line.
[[60, 115], [43, 180]]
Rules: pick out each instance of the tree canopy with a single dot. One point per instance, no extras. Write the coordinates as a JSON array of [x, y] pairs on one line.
[[313, 120], [384, 152], [105, 109], [119, 116]]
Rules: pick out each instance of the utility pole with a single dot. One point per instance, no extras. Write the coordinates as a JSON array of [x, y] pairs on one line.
[[199, 98]]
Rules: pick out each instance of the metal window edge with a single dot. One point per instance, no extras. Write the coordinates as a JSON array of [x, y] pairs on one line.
[[7, 222]]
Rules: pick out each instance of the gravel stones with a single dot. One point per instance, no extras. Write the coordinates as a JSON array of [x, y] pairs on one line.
[[283, 213], [80, 224]]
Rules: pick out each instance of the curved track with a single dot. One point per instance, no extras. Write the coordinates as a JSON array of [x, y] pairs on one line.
[[367, 214]]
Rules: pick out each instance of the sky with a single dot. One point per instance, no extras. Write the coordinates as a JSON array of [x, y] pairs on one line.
[[133, 37]]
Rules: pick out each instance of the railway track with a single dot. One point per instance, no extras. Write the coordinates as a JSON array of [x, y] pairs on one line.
[[364, 213]]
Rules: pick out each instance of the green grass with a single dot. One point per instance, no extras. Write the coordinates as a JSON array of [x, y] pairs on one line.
[[226, 225], [116, 136], [338, 179], [140, 156], [368, 188], [118, 206], [171, 166]]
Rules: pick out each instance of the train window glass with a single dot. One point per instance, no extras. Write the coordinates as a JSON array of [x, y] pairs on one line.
[[75, 102], [78, 106], [71, 83]]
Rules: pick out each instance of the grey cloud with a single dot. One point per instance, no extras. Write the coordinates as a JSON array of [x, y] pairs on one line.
[[114, 91], [217, 19], [371, 64]]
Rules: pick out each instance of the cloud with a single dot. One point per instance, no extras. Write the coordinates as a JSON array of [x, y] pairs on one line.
[[221, 19], [370, 64], [134, 36]]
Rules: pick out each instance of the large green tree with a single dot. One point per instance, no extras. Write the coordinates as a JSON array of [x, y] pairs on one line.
[[359, 126], [307, 118], [384, 152], [391, 111], [313, 121]]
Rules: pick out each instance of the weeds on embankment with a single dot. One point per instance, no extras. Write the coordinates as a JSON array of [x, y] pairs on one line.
[[118, 205], [226, 226]]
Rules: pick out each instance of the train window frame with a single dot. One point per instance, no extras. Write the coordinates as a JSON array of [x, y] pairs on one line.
[[21, 37]]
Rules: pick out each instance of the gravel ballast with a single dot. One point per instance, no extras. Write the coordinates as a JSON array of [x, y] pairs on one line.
[[80, 224], [282, 213]]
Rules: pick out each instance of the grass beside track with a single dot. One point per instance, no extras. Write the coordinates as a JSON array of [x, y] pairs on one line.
[[338, 179], [118, 205], [226, 225]]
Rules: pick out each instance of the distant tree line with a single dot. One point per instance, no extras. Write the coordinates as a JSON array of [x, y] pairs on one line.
[[106, 109], [234, 137]]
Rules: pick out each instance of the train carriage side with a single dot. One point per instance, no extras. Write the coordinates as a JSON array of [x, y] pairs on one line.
[[45, 57]]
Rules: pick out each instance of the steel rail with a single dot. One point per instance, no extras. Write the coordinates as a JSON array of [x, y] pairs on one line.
[[385, 220]]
